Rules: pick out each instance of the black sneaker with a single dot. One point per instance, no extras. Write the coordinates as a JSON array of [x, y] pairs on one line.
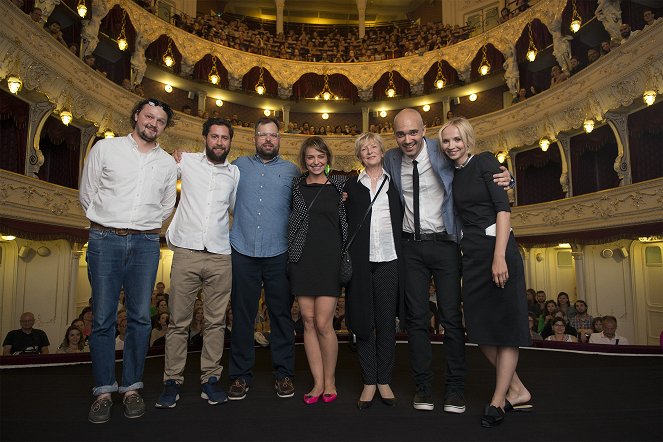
[[284, 387], [454, 401], [237, 390], [134, 406], [423, 401], [170, 395], [100, 411]]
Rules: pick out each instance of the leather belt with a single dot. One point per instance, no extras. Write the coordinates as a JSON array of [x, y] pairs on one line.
[[120, 232], [429, 237]]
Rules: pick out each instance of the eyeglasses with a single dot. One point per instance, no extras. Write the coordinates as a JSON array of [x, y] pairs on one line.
[[265, 135], [412, 133]]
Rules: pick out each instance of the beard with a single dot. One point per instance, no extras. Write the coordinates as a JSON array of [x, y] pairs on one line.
[[266, 155], [145, 136], [216, 158]]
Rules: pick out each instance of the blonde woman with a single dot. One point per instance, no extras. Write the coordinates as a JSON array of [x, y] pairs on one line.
[[493, 278]]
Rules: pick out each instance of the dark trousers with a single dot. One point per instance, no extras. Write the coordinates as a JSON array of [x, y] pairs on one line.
[[376, 351], [250, 275], [441, 259]]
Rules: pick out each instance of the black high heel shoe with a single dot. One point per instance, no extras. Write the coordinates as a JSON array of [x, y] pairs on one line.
[[362, 405], [492, 416]]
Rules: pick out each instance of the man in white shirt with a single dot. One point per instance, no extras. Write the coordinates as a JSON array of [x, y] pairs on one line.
[[199, 238], [608, 335], [127, 191]]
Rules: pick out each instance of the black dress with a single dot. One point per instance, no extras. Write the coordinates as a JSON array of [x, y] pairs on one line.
[[493, 315], [316, 273]]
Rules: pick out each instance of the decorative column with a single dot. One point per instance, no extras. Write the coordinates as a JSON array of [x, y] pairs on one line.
[[39, 113], [365, 94], [564, 143], [446, 107], [417, 87], [76, 252], [286, 116], [279, 15], [234, 82], [90, 31], [88, 135], [364, 118], [609, 13], [284, 91], [202, 99], [511, 73], [619, 125], [361, 16], [138, 63], [577, 255]]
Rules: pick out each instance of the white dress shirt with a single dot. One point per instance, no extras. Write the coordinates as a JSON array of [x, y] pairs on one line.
[[201, 221], [431, 195], [600, 338], [381, 245], [124, 188]]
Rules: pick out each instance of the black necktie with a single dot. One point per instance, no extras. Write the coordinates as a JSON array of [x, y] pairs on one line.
[[415, 198]]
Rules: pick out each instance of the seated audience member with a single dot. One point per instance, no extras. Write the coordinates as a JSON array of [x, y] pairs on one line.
[[564, 306], [197, 327], [582, 321], [161, 290], [121, 331], [26, 340], [559, 331], [339, 315], [297, 318], [91, 61], [533, 324], [55, 30], [649, 18], [625, 32], [36, 15], [605, 47], [198, 303], [186, 109], [161, 307], [592, 55], [505, 14], [539, 305], [158, 336], [531, 297], [609, 334], [450, 115], [557, 76], [522, 95], [548, 313], [597, 324], [574, 65], [86, 317], [548, 329], [73, 341]]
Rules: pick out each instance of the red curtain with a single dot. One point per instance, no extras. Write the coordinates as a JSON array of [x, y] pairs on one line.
[[592, 159], [251, 78], [14, 117], [156, 50], [401, 84], [309, 85], [541, 36], [537, 174], [494, 57], [449, 73], [645, 129], [111, 25], [60, 145], [202, 69]]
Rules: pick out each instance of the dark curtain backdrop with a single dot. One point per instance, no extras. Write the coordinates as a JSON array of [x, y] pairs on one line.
[[592, 159], [156, 50], [14, 118], [538, 174], [61, 146], [251, 78], [111, 25], [449, 73], [541, 36], [401, 84], [309, 85], [540, 79], [585, 8], [494, 57], [645, 129], [202, 69]]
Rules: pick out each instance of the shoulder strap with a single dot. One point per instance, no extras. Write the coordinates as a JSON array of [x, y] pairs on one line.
[[347, 246]]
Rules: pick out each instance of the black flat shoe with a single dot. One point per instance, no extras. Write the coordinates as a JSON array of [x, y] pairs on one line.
[[522, 408], [492, 416], [388, 401], [362, 405]]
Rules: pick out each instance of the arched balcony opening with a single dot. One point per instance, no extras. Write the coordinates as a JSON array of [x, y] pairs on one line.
[[645, 132], [14, 119], [495, 59], [448, 72], [538, 174], [535, 73], [203, 68], [309, 85], [592, 161], [61, 146], [250, 80], [401, 85], [109, 57], [158, 48]]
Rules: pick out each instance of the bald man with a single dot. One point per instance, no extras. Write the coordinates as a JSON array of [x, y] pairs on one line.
[[431, 234], [26, 340]]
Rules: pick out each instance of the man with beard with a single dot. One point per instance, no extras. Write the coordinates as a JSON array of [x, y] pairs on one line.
[[198, 236], [127, 191], [259, 257]]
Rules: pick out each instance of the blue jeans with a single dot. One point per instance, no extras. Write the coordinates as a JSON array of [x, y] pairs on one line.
[[115, 262]]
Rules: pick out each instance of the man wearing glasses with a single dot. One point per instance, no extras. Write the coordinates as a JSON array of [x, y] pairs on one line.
[[127, 190], [259, 257], [423, 176]]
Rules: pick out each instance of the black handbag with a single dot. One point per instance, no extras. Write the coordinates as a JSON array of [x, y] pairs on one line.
[[345, 271]]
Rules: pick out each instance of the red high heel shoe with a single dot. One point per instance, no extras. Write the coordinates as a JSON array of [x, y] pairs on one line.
[[329, 397], [310, 400]]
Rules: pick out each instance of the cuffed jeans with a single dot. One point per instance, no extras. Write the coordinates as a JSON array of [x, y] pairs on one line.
[[116, 262], [249, 276]]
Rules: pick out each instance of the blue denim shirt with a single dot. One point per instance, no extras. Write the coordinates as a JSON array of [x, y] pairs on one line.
[[262, 207]]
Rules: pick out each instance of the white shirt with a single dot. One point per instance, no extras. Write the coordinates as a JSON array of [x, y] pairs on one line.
[[431, 195], [201, 221], [381, 246], [600, 338], [124, 188]]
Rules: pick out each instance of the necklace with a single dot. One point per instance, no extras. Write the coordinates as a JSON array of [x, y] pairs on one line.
[[375, 178], [465, 163]]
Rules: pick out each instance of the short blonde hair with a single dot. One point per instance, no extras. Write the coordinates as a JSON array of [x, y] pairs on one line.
[[366, 138], [464, 128]]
